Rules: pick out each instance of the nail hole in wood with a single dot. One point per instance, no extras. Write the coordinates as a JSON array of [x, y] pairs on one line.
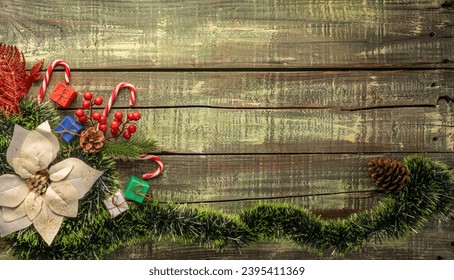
[[435, 138], [447, 4], [434, 85], [445, 60], [432, 34]]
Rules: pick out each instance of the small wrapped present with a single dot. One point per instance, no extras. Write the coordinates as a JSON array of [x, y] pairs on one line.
[[63, 95], [116, 204], [69, 128], [137, 189]]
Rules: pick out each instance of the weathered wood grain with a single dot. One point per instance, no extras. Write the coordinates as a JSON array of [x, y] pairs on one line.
[[259, 99], [224, 131], [225, 181], [352, 113], [301, 112], [344, 90], [233, 178], [232, 34]]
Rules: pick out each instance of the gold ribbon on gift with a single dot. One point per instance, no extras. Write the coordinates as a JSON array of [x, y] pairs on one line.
[[138, 188], [116, 204], [64, 94], [64, 130]]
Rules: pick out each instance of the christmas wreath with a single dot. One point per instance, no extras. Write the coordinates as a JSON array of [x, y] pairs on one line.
[[60, 195]]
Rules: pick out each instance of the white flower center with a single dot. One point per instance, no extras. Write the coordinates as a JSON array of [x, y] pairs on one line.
[[39, 182]]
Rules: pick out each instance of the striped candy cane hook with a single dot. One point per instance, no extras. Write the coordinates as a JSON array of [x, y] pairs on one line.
[[113, 96], [155, 173], [49, 71]]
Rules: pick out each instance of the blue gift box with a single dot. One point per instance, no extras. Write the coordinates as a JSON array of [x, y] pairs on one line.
[[69, 128]]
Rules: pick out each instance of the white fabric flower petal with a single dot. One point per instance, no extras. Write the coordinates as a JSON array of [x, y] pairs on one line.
[[13, 190], [38, 146], [12, 214], [46, 131], [9, 181], [15, 145], [29, 153], [26, 167], [10, 227], [61, 197], [82, 177], [33, 203], [47, 223], [59, 171]]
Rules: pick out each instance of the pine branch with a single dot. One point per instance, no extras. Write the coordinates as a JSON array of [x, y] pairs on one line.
[[129, 149]]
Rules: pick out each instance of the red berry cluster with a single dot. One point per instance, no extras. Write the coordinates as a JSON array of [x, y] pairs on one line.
[[117, 126], [125, 128], [87, 104]]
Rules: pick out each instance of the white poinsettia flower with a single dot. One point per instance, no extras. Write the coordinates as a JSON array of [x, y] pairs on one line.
[[38, 194]]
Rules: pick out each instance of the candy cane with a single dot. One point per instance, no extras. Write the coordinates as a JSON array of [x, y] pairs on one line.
[[46, 79], [113, 96], [155, 173]]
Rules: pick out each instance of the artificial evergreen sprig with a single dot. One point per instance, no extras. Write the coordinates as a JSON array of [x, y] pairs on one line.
[[129, 149], [32, 115]]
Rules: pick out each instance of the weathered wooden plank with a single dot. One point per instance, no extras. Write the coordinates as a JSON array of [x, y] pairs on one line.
[[435, 241], [221, 131], [232, 178], [345, 90], [232, 34], [344, 104]]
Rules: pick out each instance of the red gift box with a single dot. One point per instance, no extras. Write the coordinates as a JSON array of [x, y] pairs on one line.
[[63, 95]]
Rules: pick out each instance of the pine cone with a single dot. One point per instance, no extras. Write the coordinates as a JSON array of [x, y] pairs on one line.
[[389, 175], [92, 140]]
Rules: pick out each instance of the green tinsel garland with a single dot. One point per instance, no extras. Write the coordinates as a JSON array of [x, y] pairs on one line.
[[94, 233]]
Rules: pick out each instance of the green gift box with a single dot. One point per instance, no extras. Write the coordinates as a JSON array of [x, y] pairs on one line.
[[136, 189]]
